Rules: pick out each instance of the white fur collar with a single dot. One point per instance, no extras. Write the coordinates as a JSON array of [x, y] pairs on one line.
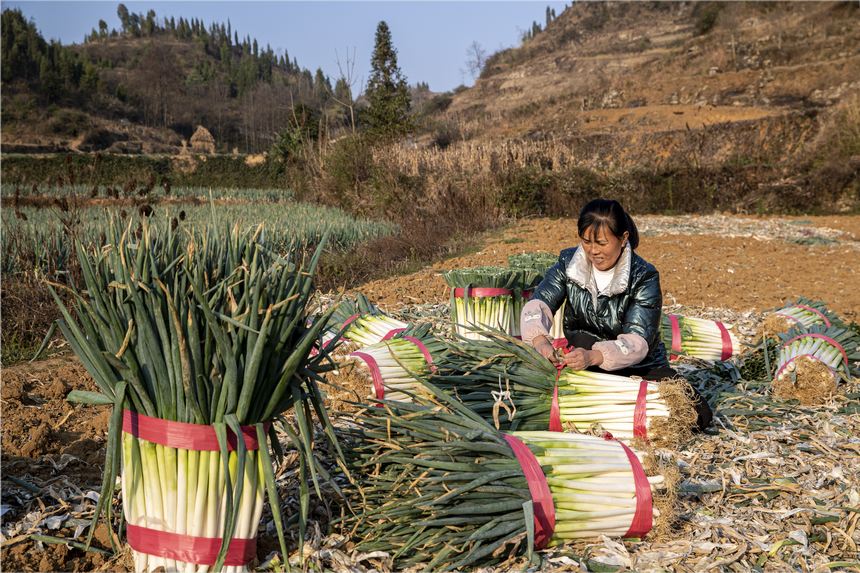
[[579, 271]]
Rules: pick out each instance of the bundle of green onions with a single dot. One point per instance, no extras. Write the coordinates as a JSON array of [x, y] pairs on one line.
[[360, 322], [488, 297], [391, 367], [698, 338], [540, 262], [802, 313], [187, 336], [509, 384], [812, 360], [442, 489]]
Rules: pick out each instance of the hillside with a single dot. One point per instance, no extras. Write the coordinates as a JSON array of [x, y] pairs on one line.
[[145, 88], [628, 84]]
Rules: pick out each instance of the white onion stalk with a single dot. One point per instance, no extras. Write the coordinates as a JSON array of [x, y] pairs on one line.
[[183, 491], [372, 328], [557, 330]]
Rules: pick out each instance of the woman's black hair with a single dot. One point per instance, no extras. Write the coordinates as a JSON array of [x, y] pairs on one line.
[[610, 214]]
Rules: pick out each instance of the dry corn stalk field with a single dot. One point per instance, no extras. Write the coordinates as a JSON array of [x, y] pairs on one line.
[[772, 486]]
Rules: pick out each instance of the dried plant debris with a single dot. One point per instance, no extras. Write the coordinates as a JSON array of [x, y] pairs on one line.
[[789, 230]]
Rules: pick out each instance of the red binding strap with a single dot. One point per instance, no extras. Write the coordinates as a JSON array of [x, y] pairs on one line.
[[198, 550], [554, 408], [349, 320], [392, 333], [197, 437], [641, 524], [424, 351], [640, 420], [676, 337], [727, 341], [544, 509], [826, 339], [560, 343], [815, 311], [375, 374], [527, 294], [478, 292]]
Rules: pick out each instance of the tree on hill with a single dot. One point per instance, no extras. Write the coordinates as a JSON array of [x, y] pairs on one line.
[[387, 92]]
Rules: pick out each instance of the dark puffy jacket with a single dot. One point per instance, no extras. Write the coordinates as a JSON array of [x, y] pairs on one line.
[[632, 306]]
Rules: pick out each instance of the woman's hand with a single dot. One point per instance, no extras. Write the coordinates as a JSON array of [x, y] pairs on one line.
[[545, 348], [580, 358]]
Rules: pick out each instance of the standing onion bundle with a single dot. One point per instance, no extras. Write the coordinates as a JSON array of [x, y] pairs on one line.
[[811, 362], [801, 314], [442, 489], [540, 262], [698, 338], [392, 367], [511, 385], [488, 297], [195, 341]]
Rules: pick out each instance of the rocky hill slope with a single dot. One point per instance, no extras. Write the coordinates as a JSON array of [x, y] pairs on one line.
[[633, 82]]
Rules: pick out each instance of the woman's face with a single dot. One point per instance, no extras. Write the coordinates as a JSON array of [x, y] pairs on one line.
[[601, 247]]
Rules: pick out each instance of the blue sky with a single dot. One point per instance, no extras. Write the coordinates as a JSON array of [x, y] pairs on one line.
[[432, 38]]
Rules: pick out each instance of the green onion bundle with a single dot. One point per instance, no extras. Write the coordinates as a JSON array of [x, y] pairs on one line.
[[698, 338], [592, 484], [209, 330], [511, 385], [443, 490], [540, 262], [811, 360], [487, 297], [360, 322], [802, 313], [392, 367]]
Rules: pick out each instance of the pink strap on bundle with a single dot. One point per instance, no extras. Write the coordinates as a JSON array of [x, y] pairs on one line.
[[825, 338], [527, 294], [349, 320], [198, 550], [641, 524], [640, 414], [182, 435], [392, 333], [375, 374], [676, 336], [424, 351], [726, 340], [560, 343], [544, 509], [478, 292], [555, 411]]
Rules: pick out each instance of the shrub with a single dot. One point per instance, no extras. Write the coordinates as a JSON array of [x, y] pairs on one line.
[[706, 15], [524, 191]]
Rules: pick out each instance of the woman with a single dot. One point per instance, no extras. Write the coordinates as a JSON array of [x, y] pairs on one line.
[[612, 316]]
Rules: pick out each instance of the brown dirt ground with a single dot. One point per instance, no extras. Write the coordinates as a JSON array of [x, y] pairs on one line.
[[39, 425], [695, 270]]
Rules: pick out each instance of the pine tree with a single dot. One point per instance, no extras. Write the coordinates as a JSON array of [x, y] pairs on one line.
[[387, 91]]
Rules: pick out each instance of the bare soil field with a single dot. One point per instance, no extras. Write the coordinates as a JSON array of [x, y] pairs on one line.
[[704, 261], [772, 486]]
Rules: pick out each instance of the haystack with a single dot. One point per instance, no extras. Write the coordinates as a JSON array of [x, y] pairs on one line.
[[202, 141]]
